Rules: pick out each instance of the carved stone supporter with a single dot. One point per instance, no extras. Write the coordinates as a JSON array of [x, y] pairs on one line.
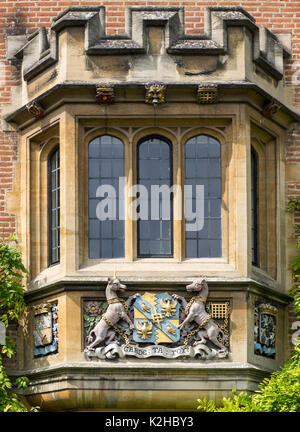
[[104, 331]]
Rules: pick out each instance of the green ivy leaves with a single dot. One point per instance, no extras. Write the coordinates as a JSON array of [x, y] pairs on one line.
[[12, 307]]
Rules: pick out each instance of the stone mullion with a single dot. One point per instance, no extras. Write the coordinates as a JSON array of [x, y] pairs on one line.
[[271, 253], [35, 208], [68, 195], [241, 150], [25, 220], [178, 225], [129, 223]]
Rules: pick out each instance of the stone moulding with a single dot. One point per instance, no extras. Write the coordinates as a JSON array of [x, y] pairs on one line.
[[40, 51], [21, 116], [114, 386], [243, 285]]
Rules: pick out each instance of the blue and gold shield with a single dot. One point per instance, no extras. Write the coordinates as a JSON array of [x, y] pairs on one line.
[[42, 332], [156, 319]]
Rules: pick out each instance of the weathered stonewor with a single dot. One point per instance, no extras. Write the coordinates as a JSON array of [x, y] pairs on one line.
[[57, 58]]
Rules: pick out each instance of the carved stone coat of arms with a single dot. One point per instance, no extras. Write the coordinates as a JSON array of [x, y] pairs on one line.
[[45, 333], [156, 325]]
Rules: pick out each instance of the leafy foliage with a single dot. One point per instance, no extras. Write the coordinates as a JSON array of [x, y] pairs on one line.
[[12, 303], [90, 322], [294, 205], [12, 308], [240, 402], [280, 392]]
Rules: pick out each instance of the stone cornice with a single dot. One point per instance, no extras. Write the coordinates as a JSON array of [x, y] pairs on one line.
[[215, 284], [67, 92], [73, 371]]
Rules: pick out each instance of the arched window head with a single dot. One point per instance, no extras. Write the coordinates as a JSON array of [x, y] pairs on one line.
[[106, 200], [54, 207], [203, 223]]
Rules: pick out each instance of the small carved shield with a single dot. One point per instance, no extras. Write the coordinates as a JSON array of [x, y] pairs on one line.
[[43, 329]]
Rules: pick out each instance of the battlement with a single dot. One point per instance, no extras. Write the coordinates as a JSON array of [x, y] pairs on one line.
[[40, 51]]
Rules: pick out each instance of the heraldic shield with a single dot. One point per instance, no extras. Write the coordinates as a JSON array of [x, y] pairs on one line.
[[43, 329], [156, 319]]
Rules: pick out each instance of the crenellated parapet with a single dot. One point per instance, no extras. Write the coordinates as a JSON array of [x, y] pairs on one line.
[[41, 49], [77, 53]]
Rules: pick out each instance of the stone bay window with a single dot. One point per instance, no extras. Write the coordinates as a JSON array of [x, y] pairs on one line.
[[150, 176]]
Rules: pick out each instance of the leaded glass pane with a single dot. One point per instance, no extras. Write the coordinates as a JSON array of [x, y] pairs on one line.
[[203, 167], [54, 208], [155, 168], [254, 206], [106, 166]]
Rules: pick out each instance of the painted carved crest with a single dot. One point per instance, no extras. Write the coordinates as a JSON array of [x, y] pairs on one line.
[[156, 324], [265, 315], [270, 109], [45, 333], [155, 94], [35, 109], [207, 93], [105, 95]]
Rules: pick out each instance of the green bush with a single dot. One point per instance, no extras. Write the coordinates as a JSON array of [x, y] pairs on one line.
[[279, 393], [12, 308]]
